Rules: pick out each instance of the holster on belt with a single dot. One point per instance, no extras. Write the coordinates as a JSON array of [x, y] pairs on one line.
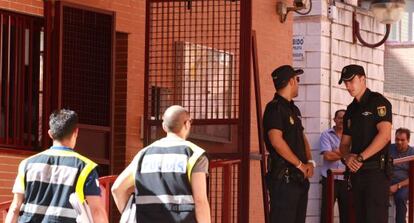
[[347, 178], [389, 166], [385, 163], [281, 170]]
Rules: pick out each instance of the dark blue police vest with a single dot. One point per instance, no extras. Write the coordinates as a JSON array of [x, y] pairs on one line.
[[48, 178], [163, 181]]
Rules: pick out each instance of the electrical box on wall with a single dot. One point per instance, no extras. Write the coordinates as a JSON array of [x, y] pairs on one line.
[[332, 12]]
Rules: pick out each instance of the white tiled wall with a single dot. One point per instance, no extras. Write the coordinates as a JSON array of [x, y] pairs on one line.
[[317, 99]]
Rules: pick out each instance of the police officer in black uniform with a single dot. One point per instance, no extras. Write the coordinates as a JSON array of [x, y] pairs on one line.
[[290, 163], [364, 146]]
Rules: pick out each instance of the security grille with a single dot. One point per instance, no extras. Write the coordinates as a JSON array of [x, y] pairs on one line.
[[86, 64], [194, 59]]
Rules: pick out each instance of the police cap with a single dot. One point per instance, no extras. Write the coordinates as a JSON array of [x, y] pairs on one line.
[[282, 74], [349, 72]]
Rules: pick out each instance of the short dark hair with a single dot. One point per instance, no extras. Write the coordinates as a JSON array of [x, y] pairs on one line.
[[403, 130], [281, 86], [62, 123], [337, 112]]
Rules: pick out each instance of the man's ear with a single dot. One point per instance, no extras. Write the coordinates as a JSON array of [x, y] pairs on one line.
[[291, 81], [76, 132], [164, 127], [49, 132]]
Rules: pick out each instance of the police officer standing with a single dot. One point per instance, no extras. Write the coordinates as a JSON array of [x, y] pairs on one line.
[[168, 176], [364, 146], [46, 180], [290, 163]]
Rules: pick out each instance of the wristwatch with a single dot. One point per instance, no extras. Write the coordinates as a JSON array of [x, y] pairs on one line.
[[360, 158]]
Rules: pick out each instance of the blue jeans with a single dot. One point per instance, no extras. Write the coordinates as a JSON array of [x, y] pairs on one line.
[[400, 200]]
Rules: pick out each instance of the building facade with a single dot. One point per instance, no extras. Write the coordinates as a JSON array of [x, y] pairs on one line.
[[107, 60]]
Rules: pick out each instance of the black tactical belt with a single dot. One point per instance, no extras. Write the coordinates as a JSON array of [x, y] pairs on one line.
[[372, 165]]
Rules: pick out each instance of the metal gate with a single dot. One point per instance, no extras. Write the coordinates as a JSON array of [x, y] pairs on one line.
[[198, 56]]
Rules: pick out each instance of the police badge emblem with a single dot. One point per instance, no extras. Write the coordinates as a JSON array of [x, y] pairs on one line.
[[382, 111], [292, 121]]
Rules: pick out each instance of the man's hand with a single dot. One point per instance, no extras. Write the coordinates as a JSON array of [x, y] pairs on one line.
[[393, 188], [310, 169], [352, 163], [13, 213], [307, 170], [304, 170], [124, 186], [97, 209]]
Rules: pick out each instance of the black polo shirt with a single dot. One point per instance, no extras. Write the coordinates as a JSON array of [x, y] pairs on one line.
[[361, 119], [285, 116]]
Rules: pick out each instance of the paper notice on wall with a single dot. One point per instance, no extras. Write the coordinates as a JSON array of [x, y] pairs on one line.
[[298, 52]]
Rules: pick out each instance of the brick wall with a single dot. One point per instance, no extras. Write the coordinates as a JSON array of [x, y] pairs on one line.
[[8, 169], [34, 7], [399, 69], [274, 41]]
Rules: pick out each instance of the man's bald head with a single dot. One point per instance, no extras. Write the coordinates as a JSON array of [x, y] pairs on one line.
[[174, 118]]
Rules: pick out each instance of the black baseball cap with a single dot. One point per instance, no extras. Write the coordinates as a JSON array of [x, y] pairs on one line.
[[349, 72], [282, 74]]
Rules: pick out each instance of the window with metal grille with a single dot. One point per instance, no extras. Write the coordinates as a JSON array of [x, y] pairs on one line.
[[80, 70], [21, 38], [86, 66]]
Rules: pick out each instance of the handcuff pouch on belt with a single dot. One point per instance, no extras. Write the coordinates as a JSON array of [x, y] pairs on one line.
[[281, 170], [384, 163]]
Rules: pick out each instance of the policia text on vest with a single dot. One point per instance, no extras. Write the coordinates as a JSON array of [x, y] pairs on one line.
[[46, 180], [168, 177]]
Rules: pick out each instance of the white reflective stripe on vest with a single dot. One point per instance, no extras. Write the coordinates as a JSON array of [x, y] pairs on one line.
[[52, 174], [164, 163], [49, 210], [165, 199]]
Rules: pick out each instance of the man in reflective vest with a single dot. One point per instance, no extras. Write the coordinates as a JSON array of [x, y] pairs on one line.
[[45, 181], [168, 176]]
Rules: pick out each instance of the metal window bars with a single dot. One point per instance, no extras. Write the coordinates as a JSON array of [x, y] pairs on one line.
[[20, 80]]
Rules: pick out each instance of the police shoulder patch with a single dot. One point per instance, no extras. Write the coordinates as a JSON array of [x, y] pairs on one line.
[[382, 111]]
